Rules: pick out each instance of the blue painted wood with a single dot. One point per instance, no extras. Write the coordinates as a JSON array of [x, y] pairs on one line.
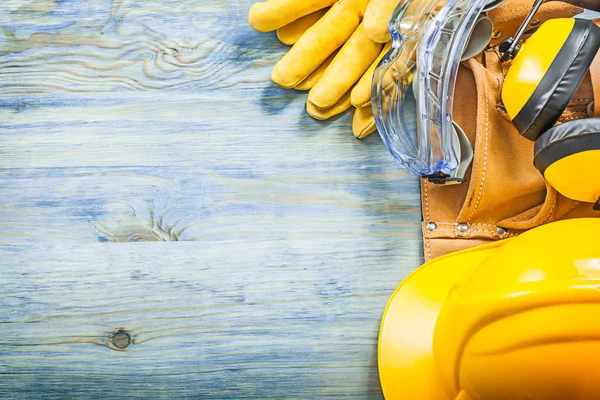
[[589, 15], [154, 180]]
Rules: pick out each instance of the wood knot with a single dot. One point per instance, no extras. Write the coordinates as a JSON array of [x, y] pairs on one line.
[[120, 340]]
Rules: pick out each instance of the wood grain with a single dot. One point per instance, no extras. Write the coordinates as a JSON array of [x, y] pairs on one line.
[[104, 45], [208, 318], [154, 181]]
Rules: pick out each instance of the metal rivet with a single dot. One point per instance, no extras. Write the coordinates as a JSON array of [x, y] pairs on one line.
[[120, 339], [431, 226], [501, 231], [496, 34], [463, 227], [535, 22]]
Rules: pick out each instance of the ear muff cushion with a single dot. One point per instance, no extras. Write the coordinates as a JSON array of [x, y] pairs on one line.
[[568, 156], [566, 139], [557, 87]]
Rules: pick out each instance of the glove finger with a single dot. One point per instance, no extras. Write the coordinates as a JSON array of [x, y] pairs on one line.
[[363, 123], [377, 18], [273, 14], [290, 33], [403, 71], [322, 114], [318, 42], [313, 78], [361, 94], [379, 13], [345, 70]]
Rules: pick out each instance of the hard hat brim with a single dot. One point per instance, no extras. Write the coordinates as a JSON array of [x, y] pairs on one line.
[[405, 354]]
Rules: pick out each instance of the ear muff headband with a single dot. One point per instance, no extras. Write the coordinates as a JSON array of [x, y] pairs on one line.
[[559, 83]]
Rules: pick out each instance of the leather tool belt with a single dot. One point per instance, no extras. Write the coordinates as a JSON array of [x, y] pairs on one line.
[[504, 194]]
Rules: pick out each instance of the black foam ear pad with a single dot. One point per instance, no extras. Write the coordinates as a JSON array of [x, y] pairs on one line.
[[568, 156], [557, 87], [566, 139]]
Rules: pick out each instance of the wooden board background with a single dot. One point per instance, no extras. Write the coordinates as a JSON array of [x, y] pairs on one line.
[[153, 180], [125, 121]]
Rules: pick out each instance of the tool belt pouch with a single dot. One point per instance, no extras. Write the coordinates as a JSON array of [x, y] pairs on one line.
[[504, 194]]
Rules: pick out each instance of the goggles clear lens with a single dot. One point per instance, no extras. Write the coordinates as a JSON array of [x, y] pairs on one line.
[[417, 77]]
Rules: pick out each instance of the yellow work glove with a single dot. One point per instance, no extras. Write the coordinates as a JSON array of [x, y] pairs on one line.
[[290, 33], [363, 123], [377, 18], [273, 14], [345, 70], [330, 51], [332, 55]]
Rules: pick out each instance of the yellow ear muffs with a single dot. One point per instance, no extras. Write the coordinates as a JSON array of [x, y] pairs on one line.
[[547, 71], [568, 156]]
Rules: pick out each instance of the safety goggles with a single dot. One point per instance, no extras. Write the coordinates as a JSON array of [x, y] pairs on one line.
[[413, 85]]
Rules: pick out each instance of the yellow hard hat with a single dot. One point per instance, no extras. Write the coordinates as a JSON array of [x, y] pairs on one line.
[[514, 319]]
